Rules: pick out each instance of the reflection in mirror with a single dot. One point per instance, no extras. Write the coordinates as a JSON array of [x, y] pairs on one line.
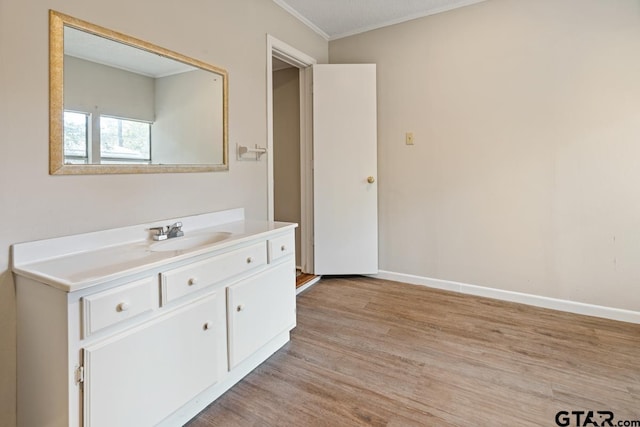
[[121, 105]]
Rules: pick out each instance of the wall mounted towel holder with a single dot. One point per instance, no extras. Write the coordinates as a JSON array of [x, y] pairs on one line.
[[244, 153]]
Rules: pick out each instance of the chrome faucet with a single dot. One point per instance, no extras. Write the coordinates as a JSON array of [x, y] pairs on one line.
[[168, 232], [175, 230]]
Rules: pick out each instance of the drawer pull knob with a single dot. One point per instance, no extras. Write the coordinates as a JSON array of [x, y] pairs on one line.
[[123, 306], [240, 307], [249, 260], [283, 248], [193, 281], [207, 326]]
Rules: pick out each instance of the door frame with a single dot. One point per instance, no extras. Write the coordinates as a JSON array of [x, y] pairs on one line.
[[302, 61]]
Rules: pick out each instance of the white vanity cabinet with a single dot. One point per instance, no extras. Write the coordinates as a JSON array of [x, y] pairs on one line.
[[140, 376], [156, 341]]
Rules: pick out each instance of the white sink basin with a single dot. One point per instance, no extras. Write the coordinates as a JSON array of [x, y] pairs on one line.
[[192, 242]]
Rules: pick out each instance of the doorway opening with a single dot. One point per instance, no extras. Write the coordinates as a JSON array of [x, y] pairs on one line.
[[289, 139], [338, 162], [287, 192]]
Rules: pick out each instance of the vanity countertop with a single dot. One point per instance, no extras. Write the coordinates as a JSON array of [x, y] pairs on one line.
[[76, 262]]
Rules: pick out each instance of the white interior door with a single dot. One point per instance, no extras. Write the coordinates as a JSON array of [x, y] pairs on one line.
[[345, 190]]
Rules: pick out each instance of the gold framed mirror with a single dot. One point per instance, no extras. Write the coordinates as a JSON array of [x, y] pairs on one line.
[[120, 105]]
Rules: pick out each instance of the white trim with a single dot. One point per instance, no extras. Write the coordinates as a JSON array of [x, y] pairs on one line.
[[308, 285], [522, 298], [306, 170], [364, 29], [283, 51], [288, 53], [270, 183], [301, 18], [411, 17]]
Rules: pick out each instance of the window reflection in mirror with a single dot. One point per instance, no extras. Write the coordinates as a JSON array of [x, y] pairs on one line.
[[122, 101], [76, 137], [121, 141]]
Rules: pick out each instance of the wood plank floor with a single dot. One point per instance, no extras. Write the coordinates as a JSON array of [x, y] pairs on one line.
[[381, 353]]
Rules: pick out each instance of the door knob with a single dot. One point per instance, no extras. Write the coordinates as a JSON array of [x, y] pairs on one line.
[[371, 180]]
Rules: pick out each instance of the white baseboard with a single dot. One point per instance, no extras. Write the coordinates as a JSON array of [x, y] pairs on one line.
[[529, 299]]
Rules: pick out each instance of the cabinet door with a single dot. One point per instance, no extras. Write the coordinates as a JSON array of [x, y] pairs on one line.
[[260, 308], [141, 376]]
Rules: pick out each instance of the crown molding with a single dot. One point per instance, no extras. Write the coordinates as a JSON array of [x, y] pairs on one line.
[[411, 17], [302, 19]]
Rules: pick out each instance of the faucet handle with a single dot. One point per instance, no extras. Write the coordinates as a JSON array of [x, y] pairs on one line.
[[161, 233], [174, 230]]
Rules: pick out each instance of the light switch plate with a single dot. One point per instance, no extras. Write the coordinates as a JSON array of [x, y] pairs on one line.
[[408, 138]]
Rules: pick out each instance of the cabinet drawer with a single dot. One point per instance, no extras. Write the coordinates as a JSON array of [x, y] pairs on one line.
[[182, 281], [115, 305], [281, 246]]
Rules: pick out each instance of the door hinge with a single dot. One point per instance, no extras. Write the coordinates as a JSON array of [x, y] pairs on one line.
[[79, 374]]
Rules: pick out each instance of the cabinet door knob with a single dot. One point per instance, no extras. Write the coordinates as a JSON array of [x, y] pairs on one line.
[[123, 306], [240, 307], [249, 260], [192, 281], [207, 326], [371, 180], [283, 248]]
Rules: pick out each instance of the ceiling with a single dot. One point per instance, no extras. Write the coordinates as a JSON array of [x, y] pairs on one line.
[[91, 47], [334, 19]]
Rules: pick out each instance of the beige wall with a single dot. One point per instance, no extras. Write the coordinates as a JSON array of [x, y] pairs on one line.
[[286, 150], [35, 205], [524, 175], [197, 121], [95, 88]]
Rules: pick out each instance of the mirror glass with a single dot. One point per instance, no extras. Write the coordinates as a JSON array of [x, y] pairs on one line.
[[122, 105]]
